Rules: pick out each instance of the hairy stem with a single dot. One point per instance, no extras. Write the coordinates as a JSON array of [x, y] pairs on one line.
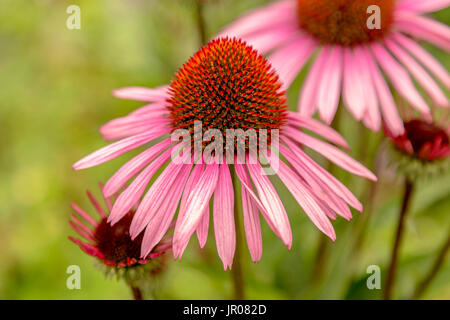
[[390, 280]]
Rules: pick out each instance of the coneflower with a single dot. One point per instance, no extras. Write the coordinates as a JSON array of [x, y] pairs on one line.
[[355, 41], [422, 151], [225, 85], [117, 253]]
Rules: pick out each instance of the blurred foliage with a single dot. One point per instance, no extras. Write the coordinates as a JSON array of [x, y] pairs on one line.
[[55, 87]]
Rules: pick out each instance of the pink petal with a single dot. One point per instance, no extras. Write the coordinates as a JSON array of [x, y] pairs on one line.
[[307, 102], [131, 125], [224, 228], [81, 229], [320, 189], [155, 197], [352, 91], [84, 215], [324, 175], [424, 57], [371, 117], [131, 195], [252, 225], [197, 201], [160, 223], [96, 204], [422, 6], [276, 213], [267, 17], [88, 248], [416, 30], [429, 25], [332, 153], [306, 200], [388, 108], [289, 60], [132, 167], [142, 93], [419, 73], [202, 228], [329, 89], [399, 78], [267, 40], [116, 149], [295, 119]]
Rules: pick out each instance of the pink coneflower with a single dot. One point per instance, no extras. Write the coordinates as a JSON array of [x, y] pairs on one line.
[[225, 85], [350, 56], [112, 245]]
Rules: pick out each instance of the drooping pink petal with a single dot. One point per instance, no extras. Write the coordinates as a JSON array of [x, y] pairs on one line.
[[332, 153], [252, 225], [295, 119], [321, 190], [116, 149], [399, 78], [419, 73], [329, 89], [223, 214], [202, 228], [132, 167], [142, 93], [130, 196], [352, 91], [371, 116], [271, 201], [337, 186], [307, 103], [306, 200], [197, 201], [372, 119], [154, 198], [160, 223], [388, 108], [424, 57], [289, 60]]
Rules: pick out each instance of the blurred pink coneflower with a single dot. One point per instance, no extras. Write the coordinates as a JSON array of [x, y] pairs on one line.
[[356, 42]]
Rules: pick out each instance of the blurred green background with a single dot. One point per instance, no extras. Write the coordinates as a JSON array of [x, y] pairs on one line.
[[55, 92]]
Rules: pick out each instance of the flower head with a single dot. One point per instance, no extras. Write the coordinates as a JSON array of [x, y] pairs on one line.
[[355, 41], [423, 150], [423, 140], [112, 245], [226, 85]]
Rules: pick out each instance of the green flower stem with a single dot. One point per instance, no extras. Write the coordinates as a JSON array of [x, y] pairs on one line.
[[137, 293], [390, 280]]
